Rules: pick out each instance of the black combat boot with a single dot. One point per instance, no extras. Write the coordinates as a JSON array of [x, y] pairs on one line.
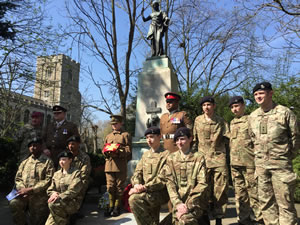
[[116, 212], [218, 221], [108, 212]]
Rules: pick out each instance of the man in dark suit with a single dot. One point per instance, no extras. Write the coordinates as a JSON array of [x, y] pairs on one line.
[[56, 134]]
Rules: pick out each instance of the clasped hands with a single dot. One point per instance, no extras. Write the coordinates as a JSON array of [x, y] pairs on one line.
[[137, 188], [181, 210]]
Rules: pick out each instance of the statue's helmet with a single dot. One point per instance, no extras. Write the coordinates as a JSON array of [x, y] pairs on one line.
[[155, 2]]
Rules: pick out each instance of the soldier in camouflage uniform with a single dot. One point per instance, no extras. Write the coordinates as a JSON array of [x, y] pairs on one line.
[[149, 185], [242, 165], [275, 134], [81, 161], [186, 180], [116, 164], [209, 137], [170, 122], [64, 191], [29, 131], [32, 180]]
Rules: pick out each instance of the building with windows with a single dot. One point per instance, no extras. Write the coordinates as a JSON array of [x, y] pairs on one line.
[[57, 83]]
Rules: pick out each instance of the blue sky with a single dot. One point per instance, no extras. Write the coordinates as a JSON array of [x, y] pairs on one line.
[[56, 10]]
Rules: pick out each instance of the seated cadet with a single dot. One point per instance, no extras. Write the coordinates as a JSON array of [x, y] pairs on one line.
[[149, 185], [81, 161], [32, 180], [186, 180], [64, 191]]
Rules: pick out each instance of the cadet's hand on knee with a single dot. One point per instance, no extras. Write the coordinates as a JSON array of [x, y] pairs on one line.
[[24, 191], [181, 209], [53, 197]]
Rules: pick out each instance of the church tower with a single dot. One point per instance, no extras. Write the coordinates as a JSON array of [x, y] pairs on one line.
[[57, 83]]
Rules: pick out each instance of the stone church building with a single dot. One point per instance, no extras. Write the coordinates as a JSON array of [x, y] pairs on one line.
[[57, 83]]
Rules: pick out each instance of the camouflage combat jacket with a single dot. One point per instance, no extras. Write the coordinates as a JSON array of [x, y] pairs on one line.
[[68, 185], [149, 170], [210, 137], [82, 162], [241, 146], [36, 173], [187, 181], [118, 163], [275, 135], [25, 134]]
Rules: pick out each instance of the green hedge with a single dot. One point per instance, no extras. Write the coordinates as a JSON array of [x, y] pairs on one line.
[[296, 166], [8, 163]]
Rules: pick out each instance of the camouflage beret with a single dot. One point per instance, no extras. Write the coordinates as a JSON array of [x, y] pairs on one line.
[[34, 140], [152, 130], [74, 138], [207, 99], [116, 119], [58, 108], [182, 131], [67, 154], [236, 99], [262, 86]]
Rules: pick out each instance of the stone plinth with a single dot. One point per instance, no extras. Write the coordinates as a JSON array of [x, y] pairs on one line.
[[154, 81]]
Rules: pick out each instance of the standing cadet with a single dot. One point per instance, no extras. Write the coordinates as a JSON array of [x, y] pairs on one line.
[[57, 133], [149, 190], [170, 122], [186, 180], [209, 137], [64, 191], [242, 165], [29, 131], [32, 180], [115, 170], [276, 140], [81, 161]]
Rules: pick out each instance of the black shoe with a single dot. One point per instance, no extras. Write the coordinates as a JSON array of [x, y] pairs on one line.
[[107, 212], [116, 212], [218, 221]]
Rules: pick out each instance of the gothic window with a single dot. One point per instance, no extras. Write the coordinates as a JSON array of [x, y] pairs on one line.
[[70, 75], [26, 116], [48, 72], [48, 119], [46, 94]]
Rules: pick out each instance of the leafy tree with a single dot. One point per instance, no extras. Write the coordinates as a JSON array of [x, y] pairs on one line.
[[31, 37], [7, 30]]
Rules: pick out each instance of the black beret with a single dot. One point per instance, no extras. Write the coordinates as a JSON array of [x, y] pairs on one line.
[[182, 131], [262, 86], [34, 140], [172, 96], [236, 99], [67, 154], [116, 119], [74, 138], [152, 130], [207, 99], [58, 108]]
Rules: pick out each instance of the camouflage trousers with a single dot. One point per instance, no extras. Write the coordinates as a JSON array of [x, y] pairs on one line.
[[276, 195], [218, 186], [246, 196], [60, 211], [146, 206], [35, 206]]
